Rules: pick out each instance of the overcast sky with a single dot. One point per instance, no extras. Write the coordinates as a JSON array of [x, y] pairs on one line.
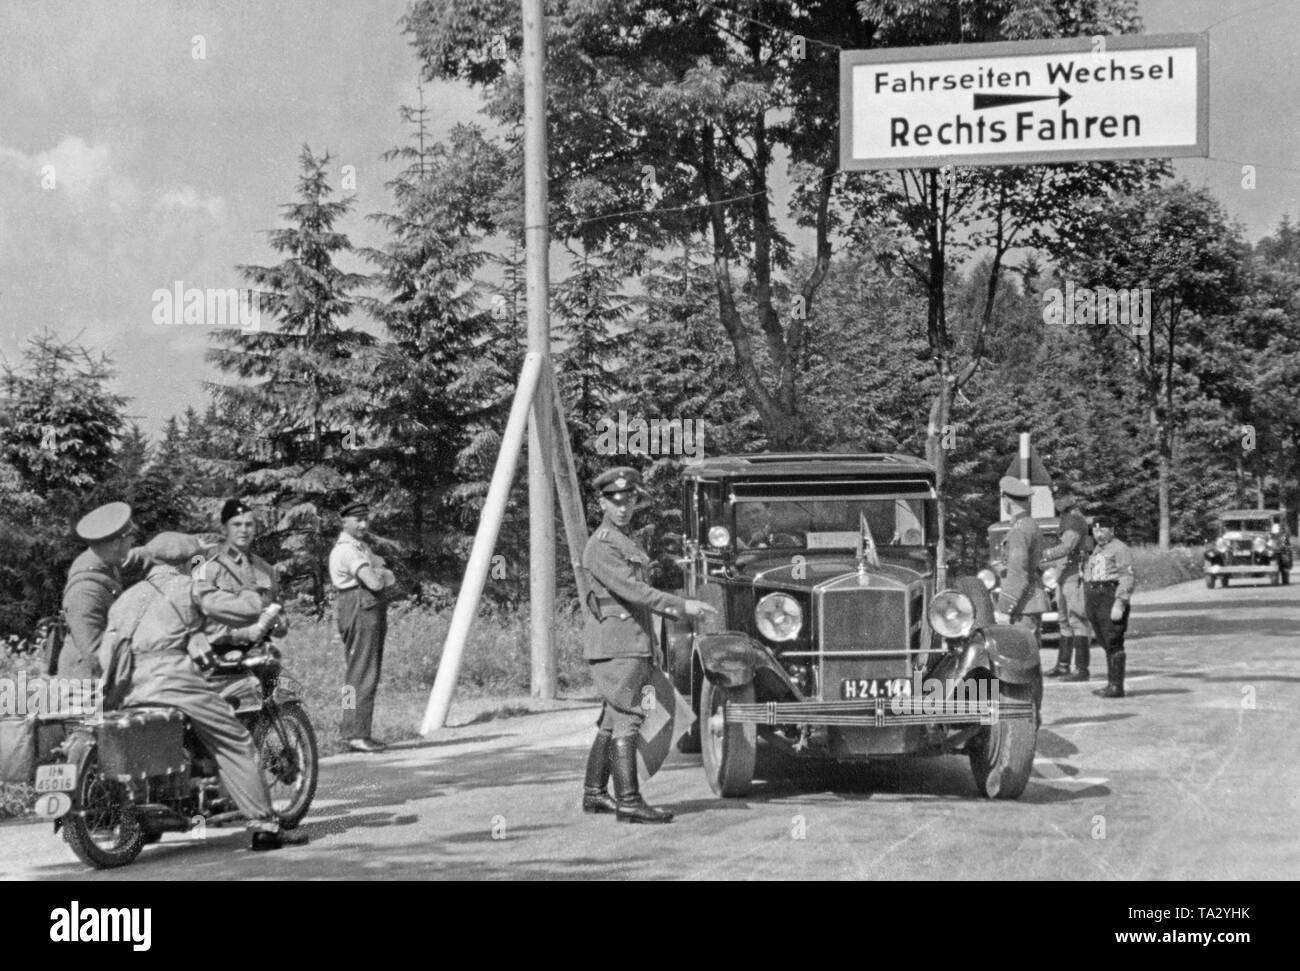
[[169, 167]]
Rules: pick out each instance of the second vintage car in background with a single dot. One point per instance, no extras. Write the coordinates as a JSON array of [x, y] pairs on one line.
[[1249, 543]]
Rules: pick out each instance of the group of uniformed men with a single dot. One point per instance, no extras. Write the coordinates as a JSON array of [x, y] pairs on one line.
[[1093, 591], [193, 601]]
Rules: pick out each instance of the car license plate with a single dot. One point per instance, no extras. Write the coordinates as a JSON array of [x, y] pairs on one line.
[[855, 688], [56, 778]]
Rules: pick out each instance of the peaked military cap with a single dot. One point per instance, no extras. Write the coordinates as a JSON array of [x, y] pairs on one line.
[[1013, 487], [107, 522], [623, 478], [1103, 519], [233, 508]]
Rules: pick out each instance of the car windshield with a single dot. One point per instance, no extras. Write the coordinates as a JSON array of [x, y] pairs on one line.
[[1243, 525], [830, 523]]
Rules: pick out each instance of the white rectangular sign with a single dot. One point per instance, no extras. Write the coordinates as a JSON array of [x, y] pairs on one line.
[[1025, 102]]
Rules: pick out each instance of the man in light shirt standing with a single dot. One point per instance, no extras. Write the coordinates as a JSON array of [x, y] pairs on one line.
[[361, 580]]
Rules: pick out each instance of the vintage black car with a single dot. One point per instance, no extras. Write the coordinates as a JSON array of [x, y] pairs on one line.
[[993, 574], [835, 637], [1249, 543]]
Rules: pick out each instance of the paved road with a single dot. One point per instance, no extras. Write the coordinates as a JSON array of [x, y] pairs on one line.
[[1193, 776]]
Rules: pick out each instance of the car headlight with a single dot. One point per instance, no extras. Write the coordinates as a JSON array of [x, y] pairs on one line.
[[1050, 577], [1259, 545], [1221, 545], [1272, 542], [988, 578], [951, 614], [779, 617], [719, 537]]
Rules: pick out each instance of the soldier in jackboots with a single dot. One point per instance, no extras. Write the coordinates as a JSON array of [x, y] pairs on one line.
[[1108, 586], [1071, 551], [617, 644]]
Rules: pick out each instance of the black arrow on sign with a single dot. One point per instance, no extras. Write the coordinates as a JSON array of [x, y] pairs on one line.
[[983, 101]]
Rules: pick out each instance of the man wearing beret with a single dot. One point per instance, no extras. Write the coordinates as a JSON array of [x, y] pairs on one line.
[[1021, 600], [1108, 586], [361, 580], [159, 621], [617, 645], [94, 582], [1071, 552], [233, 567]]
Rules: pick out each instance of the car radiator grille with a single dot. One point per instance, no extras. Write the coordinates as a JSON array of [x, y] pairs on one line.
[[865, 634]]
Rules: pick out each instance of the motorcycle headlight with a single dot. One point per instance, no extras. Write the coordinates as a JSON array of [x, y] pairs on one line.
[[1259, 545], [1221, 545], [988, 578], [951, 614], [719, 537], [1050, 577], [779, 617]]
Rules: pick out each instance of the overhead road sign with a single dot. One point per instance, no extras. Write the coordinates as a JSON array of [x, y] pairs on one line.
[[1074, 99]]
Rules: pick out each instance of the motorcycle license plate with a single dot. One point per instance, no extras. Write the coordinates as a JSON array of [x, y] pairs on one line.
[[56, 778], [855, 688]]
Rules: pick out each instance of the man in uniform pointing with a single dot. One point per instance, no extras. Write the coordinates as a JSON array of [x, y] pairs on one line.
[[94, 583], [618, 646]]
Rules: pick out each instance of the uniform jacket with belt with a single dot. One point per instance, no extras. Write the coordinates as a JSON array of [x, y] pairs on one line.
[[1071, 549], [159, 615], [230, 571], [1022, 591], [93, 585], [621, 602], [1112, 561]]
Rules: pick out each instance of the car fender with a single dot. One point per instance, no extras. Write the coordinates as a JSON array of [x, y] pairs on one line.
[[1009, 653], [733, 659]]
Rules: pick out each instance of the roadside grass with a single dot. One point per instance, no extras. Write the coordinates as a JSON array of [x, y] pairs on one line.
[[495, 671], [1154, 569]]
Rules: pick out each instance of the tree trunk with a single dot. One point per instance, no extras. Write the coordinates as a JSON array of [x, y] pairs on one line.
[[940, 411], [1162, 484]]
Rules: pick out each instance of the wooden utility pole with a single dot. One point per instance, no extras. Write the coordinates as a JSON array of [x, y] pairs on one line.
[[541, 497]]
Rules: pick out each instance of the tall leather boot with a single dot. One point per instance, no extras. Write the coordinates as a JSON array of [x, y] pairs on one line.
[[595, 794], [1063, 654], [1115, 682], [631, 807], [1082, 658]]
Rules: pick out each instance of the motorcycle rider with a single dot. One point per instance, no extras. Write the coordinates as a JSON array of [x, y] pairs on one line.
[[160, 621]]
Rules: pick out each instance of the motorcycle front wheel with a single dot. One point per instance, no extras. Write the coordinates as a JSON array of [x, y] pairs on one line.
[[286, 746], [102, 831]]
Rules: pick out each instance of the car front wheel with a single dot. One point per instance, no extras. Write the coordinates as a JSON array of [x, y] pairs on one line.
[[1002, 755], [729, 750]]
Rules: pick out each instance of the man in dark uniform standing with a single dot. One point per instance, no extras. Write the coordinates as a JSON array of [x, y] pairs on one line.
[[617, 644], [94, 582], [1108, 586], [361, 580], [233, 567], [1069, 585]]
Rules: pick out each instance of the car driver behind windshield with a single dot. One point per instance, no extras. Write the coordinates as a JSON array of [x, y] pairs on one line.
[[753, 525]]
